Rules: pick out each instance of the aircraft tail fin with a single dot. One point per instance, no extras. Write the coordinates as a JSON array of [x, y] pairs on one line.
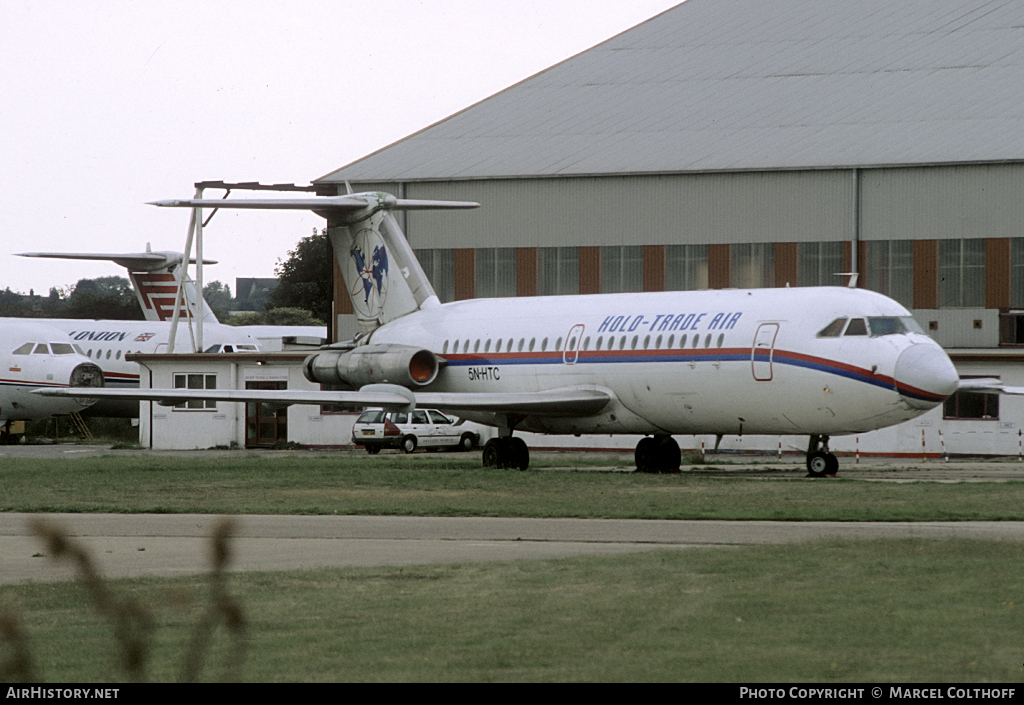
[[384, 279], [154, 277]]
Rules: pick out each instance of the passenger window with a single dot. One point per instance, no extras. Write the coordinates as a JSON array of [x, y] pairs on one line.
[[671, 341], [420, 417], [636, 338], [476, 345], [721, 339], [833, 329], [399, 417], [487, 346], [438, 417], [586, 343], [647, 342], [707, 341], [444, 348], [544, 345], [857, 327], [657, 343]]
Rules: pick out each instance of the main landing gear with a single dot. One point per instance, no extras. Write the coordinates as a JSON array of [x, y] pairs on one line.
[[820, 462], [506, 452], [657, 454]]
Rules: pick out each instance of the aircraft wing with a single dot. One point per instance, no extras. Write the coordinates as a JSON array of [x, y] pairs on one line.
[[572, 401], [987, 385]]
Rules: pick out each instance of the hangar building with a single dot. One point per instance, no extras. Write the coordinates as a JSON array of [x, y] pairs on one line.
[[725, 143], [728, 143]]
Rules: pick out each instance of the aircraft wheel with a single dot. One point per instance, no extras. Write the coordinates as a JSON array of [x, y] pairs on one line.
[[409, 444], [831, 464], [467, 442], [519, 454], [669, 455], [818, 463], [492, 453], [646, 454]]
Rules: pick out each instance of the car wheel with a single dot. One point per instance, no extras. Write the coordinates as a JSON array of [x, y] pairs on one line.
[[373, 450], [408, 444], [467, 442]]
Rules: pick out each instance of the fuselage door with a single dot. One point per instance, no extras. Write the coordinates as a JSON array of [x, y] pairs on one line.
[[763, 351], [572, 345]]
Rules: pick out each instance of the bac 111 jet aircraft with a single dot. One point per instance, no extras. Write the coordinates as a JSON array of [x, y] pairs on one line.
[[811, 361]]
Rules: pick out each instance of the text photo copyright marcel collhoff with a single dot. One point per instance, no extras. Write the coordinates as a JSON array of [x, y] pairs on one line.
[[893, 692]]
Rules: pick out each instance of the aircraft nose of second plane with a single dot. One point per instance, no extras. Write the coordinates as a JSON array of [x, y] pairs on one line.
[[925, 375]]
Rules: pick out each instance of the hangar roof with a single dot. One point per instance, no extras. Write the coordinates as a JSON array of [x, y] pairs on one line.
[[722, 85]]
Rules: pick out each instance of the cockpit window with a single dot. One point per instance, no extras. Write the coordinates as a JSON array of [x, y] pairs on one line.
[[25, 349], [62, 349], [833, 329], [894, 325], [856, 327], [41, 349]]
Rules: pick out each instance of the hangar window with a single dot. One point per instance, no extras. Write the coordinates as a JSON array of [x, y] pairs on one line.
[[558, 270], [818, 263], [686, 267], [752, 266], [439, 266], [962, 273], [971, 405], [198, 382], [890, 269], [622, 268], [495, 272]]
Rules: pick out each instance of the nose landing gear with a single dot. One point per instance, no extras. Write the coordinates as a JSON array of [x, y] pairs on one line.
[[820, 462]]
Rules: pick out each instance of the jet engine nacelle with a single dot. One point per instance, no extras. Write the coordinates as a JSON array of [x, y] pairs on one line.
[[374, 364]]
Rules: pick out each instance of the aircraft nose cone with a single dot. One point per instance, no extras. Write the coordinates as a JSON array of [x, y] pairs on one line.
[[925, 376], [87, 374]]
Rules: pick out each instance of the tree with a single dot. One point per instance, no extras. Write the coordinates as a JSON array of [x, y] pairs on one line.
[[218, 297], [106, 297], [307, 277]]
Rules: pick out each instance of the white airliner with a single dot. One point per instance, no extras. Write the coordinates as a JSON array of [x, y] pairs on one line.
[[813, 361], [34, 355], [154, 277], [106, 342]]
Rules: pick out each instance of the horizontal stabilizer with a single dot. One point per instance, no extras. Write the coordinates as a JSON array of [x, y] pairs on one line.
[[351, 203], [135, 261]]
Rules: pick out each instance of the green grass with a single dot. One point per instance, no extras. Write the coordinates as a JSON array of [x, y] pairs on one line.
[[456, 485], [869, 611]]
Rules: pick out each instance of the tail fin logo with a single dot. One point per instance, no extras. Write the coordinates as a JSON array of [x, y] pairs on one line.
[[371, 262]]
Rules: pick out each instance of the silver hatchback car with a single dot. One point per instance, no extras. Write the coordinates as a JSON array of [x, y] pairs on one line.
[[420, 428]]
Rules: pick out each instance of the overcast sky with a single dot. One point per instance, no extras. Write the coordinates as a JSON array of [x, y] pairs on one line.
[[107, 104]]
